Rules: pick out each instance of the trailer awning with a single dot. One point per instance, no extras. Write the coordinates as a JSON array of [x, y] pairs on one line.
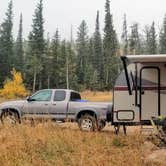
[[146, 58]]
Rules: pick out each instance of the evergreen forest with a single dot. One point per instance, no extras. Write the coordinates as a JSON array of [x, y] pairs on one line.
[[89, 62]]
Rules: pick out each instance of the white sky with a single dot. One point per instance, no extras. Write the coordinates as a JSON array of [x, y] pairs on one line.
[[62, 14]]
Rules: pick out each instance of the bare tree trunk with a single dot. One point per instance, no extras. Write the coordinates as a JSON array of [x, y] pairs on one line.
[[107, 72], [40, 84], [34, 80], [48, 82], [67, 72]]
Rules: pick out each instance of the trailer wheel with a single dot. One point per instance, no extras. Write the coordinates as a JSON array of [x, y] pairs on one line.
[[87, 123], [9, 118]]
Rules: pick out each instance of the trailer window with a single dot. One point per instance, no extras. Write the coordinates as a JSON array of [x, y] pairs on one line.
[[121, 81]]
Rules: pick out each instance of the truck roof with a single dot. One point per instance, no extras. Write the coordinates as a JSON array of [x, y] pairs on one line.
[[146, 58], [69, 90]]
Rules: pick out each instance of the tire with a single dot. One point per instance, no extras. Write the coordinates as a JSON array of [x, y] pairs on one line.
[[9, 118], [87, 123]]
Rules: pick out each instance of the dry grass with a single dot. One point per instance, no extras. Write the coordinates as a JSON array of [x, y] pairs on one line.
[[51, 144], [97, 96]]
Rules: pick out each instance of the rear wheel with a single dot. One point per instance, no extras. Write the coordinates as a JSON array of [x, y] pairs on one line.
[[9, 118], [87, 123]]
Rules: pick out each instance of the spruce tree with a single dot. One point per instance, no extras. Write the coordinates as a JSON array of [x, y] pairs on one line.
[[98, 54], [82, 52], [6, 44], [152, 40], [162, 38], [124, 36], [62, 65], [55, 53], [19, 53], [110, 49], [71, 66], [135, 44], [47, 64], [37, 45], [147, 39], [90, 70]]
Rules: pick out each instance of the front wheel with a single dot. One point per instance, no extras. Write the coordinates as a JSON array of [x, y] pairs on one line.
[[87, 123], [9, 118]]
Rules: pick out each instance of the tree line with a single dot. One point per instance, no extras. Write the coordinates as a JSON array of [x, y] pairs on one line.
[[89, 62]]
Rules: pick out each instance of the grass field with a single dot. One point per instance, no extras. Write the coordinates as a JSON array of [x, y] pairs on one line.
[[97, 96], [51, 144]]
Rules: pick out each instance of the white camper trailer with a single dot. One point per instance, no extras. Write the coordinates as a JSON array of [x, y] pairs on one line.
[[140, 90]]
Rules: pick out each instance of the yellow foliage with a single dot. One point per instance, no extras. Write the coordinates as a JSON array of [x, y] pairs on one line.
[[14, 88]]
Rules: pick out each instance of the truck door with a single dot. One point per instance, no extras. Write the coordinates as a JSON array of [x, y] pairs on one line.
[[39, 104], [149, 92], [59, 105]]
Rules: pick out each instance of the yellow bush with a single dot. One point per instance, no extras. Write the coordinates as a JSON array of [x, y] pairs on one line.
[[14, 88]]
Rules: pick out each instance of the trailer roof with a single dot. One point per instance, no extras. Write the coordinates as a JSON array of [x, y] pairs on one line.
[[146, 58]]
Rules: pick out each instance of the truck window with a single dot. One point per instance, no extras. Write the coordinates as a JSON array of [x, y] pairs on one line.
[[44, 95], [75, 96], [59, 95]]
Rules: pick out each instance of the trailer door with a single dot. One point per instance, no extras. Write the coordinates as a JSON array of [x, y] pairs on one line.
[[149, 92]]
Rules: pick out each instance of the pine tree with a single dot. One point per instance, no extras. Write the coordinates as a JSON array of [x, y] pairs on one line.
[[124, 37], [37, 45], [71, 66], [147, 39], [82, 52], [110, 49], [90, 80], [162, 39], [62, 65], [6, 44], [19, 53], [47, 64], [55, 53], [152, 41], [98, 53], [135, 44]]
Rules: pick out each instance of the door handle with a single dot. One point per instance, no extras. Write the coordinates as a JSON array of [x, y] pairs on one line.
[[46, 104], [53, 104]]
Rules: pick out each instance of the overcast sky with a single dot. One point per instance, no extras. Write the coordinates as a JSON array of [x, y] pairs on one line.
[[62, 14]]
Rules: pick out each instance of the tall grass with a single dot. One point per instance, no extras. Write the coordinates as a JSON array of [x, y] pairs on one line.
[[50, 144]]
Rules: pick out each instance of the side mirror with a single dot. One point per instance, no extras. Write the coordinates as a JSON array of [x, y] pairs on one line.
[[28, 99]]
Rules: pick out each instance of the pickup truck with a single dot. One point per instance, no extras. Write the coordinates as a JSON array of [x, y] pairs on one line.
[[58, 105]]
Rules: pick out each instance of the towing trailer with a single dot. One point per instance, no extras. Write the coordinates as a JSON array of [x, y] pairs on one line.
[[140, 90]]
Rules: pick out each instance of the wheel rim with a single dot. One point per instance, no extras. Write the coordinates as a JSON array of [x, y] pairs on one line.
[[9, 119], [86, 124]]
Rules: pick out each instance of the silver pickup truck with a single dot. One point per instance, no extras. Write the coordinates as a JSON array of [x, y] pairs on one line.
[[58, 104]]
